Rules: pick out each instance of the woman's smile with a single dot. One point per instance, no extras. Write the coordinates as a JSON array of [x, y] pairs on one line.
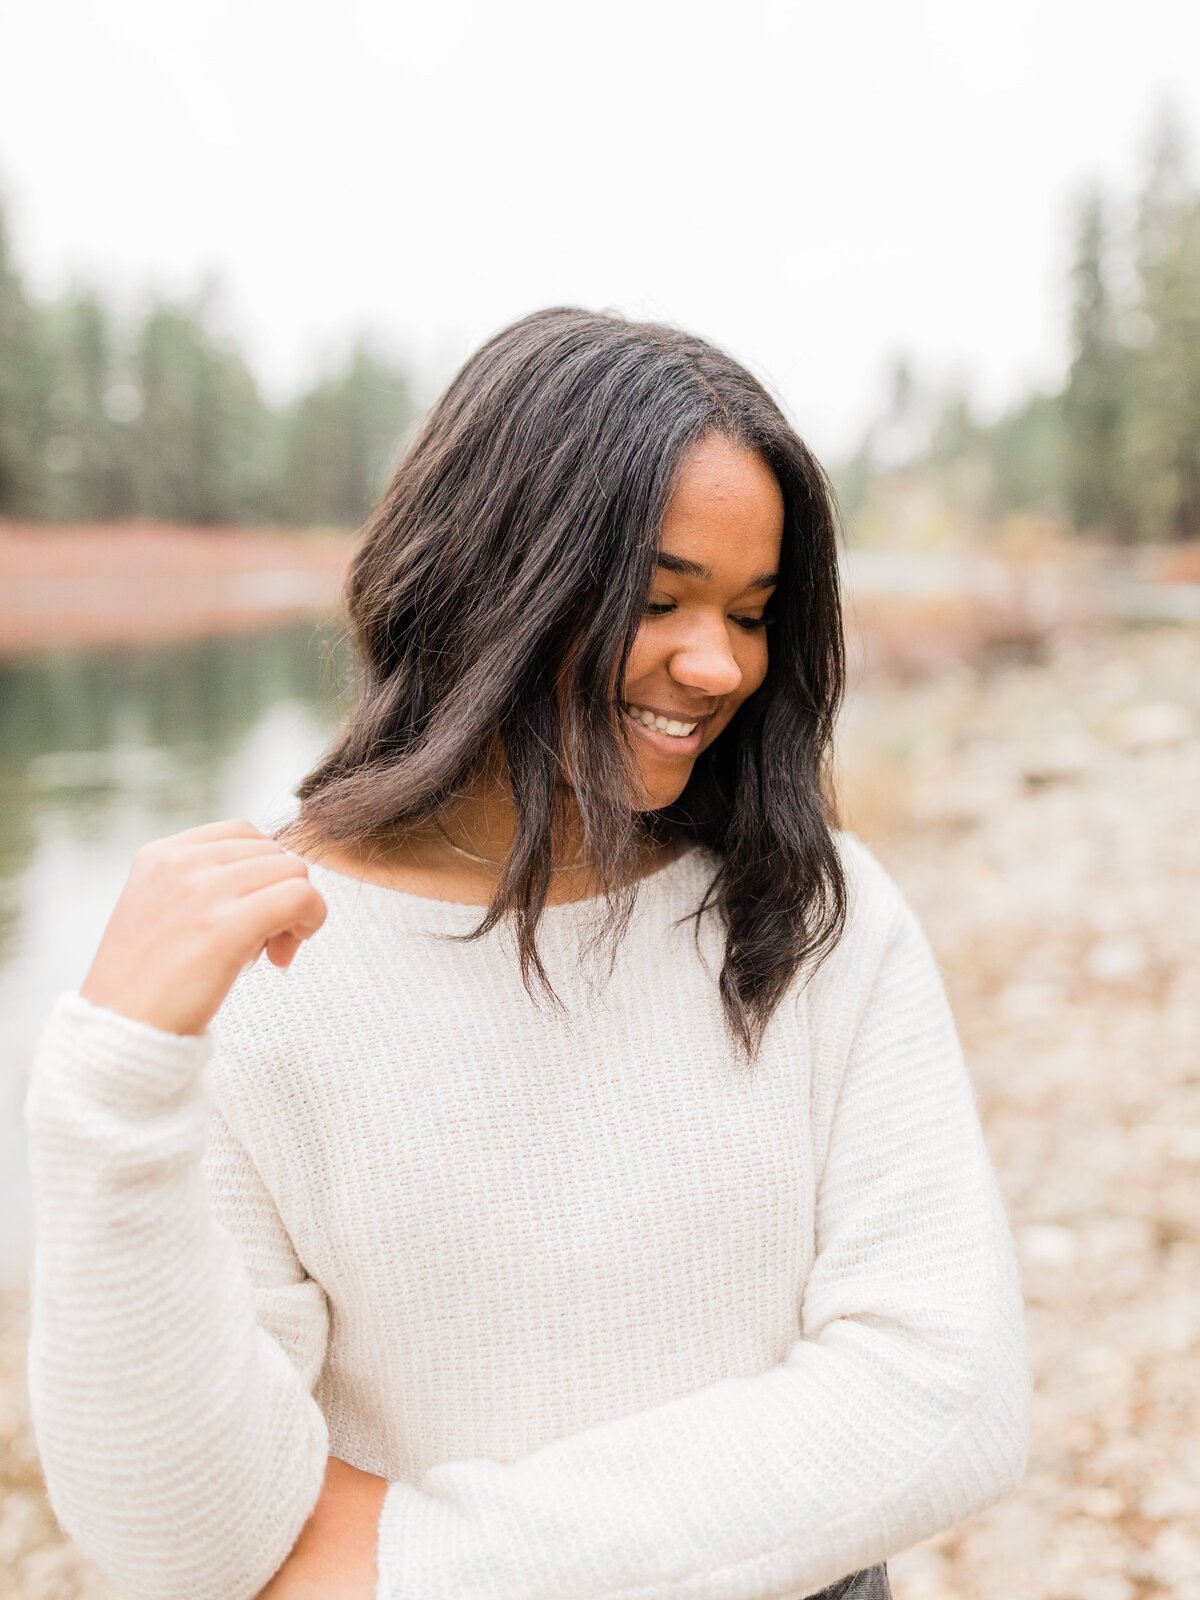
[[664, 742]]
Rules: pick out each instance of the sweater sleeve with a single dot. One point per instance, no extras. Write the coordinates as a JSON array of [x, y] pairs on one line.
[[174, 1336], [901, 1408]]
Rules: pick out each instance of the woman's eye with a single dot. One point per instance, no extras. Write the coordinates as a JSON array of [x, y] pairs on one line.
[[656, 609]]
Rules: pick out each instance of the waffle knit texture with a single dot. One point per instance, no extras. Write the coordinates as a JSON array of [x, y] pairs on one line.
[[616, 1318]]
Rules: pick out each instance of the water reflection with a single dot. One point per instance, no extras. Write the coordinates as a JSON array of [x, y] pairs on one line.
[[101, 750]]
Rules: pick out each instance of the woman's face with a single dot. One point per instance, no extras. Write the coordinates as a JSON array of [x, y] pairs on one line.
[[702, 648]]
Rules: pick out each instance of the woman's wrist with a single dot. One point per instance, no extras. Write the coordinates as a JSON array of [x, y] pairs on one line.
[[334, 1557]]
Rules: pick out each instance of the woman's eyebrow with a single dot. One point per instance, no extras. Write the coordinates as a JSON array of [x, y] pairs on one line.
[[697, 569]]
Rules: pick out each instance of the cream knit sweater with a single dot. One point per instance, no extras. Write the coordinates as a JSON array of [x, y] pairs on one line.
[[616, 1320]]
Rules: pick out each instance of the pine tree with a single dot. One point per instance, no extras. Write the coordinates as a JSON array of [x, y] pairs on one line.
[[86, 473], [1161, 438], [1027, 449], [23, 385], [342, 440], [1091, 402], [202, 440]]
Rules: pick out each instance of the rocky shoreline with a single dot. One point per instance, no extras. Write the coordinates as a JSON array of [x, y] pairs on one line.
[[1047, 836]]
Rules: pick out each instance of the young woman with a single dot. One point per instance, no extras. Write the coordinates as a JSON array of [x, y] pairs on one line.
[[586, 1199]]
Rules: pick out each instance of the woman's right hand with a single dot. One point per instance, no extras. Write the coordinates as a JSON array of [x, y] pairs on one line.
[[197, 907]]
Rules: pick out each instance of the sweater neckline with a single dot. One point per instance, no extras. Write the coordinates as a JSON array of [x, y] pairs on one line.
[[432, 906]]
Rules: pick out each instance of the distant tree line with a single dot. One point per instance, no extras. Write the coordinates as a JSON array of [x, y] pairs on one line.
[[1116, 450], [159, 415]]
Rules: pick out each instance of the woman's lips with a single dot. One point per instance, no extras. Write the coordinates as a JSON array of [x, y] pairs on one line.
[[668, 744]]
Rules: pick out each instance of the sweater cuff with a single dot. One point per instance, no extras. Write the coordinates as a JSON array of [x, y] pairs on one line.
[[115, 1062]]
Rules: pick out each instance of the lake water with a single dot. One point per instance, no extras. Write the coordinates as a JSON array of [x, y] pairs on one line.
[[102, 750]]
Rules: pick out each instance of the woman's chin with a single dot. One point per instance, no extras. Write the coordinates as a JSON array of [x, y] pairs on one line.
[[659, 791]]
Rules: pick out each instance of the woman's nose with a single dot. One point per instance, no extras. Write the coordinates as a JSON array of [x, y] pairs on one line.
[[706, 662]]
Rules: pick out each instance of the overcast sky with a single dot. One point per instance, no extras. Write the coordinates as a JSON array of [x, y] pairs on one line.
[[816, 187]]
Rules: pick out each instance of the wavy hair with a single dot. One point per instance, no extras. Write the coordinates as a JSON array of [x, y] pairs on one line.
[[493, 602]]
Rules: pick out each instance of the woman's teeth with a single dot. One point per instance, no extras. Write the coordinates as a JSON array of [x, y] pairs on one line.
[[678, 730]]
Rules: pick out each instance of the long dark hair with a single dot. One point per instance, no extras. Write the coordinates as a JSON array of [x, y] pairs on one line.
[[494, 600]]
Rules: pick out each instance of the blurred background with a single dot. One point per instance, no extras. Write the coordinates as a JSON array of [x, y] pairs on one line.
[[242, 249]]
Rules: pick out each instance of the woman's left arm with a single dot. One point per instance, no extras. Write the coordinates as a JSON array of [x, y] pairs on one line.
[[902, 1408]]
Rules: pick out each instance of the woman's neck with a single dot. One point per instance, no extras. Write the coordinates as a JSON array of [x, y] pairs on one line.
[[424, 859]]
